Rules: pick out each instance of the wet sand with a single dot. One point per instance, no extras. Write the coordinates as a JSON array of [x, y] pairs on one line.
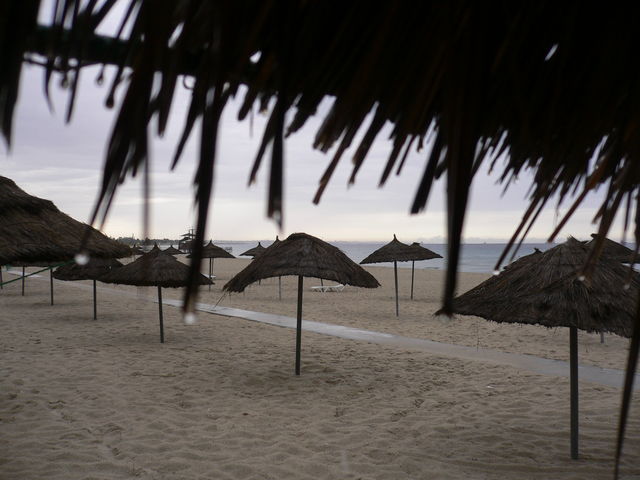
[[84, 399]]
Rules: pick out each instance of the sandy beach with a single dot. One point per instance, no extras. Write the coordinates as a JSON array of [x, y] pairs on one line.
[[85, 399]]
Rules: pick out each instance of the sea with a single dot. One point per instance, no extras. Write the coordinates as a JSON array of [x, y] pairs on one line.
[[476, 257]]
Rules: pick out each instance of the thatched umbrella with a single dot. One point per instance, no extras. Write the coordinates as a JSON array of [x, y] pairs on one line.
[[135, 250], [172, 250], [33, 231], [614, 251], [211, 252], [155, 268], [304, 256], [396, 251], [254, 252], [92, 270], [422, 253], [547, 288]]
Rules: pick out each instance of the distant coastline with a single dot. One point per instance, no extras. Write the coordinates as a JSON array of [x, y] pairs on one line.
[[475, 257]]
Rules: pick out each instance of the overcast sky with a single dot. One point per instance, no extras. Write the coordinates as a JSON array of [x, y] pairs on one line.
[[62, 162]]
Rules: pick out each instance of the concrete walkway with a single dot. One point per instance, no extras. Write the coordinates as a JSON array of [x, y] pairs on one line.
[[587, 373]]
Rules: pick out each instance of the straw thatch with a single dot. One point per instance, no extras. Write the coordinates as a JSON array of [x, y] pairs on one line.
[[423, 253], [213, 251], [303, 255], [477, 80], [544, 288], [93, 270], [172, 250], [254, 252], [34, 232], [153, 269], [614, 251], [396, 251]]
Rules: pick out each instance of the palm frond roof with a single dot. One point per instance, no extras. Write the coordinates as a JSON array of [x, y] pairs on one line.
[[548, 288], [33, 231], [154, 268], [305, 255]]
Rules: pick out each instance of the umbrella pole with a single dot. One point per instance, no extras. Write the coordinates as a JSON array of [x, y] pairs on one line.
[[51, 283], [573, 354], [160, 311], [601, 331], [299, 324], [395, 272], [95, 307], [210, 271], [279, 288], [413, 263], [1, 285], [23, 281]]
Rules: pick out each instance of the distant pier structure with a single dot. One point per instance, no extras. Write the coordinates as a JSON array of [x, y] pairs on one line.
[[186, 244]]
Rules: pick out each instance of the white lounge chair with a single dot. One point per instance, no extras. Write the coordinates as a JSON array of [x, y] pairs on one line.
[[328, 288]]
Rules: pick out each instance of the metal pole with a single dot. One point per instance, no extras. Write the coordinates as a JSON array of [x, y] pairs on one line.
[[23, 281], [1, 286], [51, 283], [601, 334], [95, 307], [573, 354], [160, 310], [279, 288], [395, 272], [413, 263], [299, 325]]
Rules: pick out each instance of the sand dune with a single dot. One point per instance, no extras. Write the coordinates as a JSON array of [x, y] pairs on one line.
[[84, 399]]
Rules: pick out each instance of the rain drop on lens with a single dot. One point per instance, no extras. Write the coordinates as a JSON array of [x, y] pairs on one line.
[[81, 258], [496, 272], [626, 286], [581, 278], [190, 318]]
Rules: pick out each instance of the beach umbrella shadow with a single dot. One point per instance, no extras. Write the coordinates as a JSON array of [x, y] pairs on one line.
[[303, 256]]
